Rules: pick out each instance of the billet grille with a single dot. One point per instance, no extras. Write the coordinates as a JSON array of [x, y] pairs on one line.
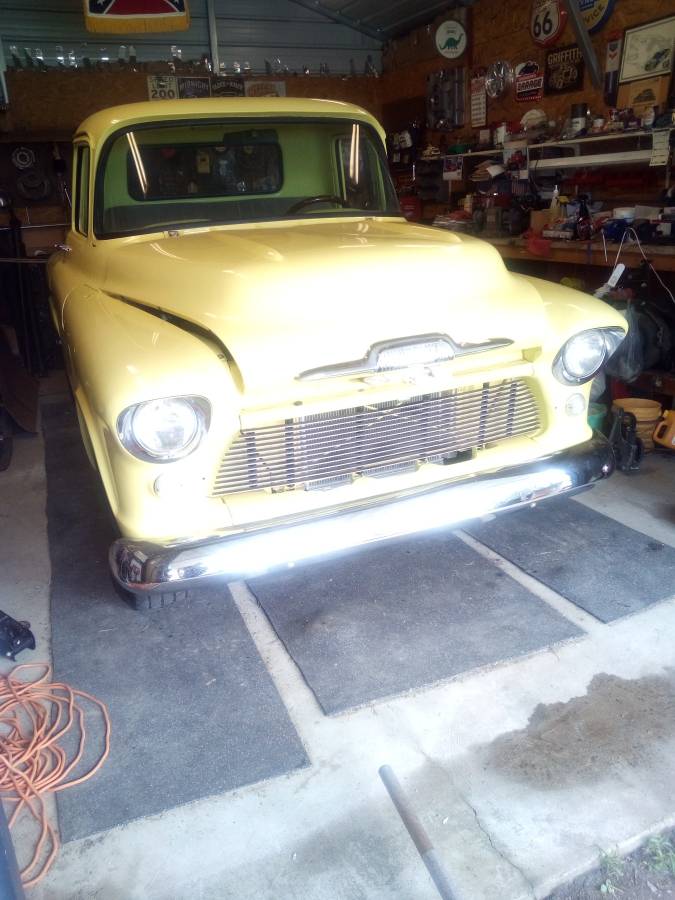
[[331, 447]]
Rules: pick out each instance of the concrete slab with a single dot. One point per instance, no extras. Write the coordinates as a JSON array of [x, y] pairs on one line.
[[396, 617], [502, 831], [331, 832], [24, 554], [25, 570], [645, 501], [591, 559], [163, 675]]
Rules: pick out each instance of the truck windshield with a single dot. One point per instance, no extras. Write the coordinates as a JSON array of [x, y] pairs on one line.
[[177, 175]]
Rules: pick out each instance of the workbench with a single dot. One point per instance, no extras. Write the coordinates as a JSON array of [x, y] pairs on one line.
[[587, 253]]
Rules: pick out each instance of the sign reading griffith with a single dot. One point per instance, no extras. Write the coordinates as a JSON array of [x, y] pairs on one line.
[[564, 70], [547, 22]]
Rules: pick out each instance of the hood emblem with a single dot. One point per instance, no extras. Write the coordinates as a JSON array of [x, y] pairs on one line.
[[404, 353]]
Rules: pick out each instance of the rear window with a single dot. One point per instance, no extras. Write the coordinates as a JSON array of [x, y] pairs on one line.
[[248, 162]]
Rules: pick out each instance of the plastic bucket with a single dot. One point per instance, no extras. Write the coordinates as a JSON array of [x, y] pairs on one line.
[[647, 414], [596, 415]]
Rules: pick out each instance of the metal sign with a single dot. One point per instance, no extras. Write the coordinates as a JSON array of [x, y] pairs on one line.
[[529, 84], [451, 39], [596, 13], [224, 86], [547, 22], [564, 70], [478, 102], [191, 87], [162, 87]]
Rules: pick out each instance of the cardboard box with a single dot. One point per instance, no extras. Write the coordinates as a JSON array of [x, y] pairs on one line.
[[539, 219]]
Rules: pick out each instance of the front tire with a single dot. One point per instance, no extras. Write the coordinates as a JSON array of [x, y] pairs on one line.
[[151, 601], [141, 602]]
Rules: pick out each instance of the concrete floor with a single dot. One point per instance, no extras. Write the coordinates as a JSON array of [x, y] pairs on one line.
[[520, 773]]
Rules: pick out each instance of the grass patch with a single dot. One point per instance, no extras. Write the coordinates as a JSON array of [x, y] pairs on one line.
[[648, 873], [660, 855], [612, 864]]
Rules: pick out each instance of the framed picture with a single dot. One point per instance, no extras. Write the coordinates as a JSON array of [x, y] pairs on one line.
[[648, 50], [644, 94]]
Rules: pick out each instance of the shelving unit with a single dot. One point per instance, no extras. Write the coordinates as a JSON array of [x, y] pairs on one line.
[[538, 161], [593, 159], [541, 162]]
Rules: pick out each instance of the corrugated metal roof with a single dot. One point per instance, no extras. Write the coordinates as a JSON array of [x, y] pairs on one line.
[[248, 31], [339, 33], [386, 18]]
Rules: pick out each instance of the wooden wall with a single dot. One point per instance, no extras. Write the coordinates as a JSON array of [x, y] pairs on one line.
[[501, 30], [53, 103]]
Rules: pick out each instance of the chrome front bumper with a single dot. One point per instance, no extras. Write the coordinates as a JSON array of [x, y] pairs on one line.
[[143, 567]]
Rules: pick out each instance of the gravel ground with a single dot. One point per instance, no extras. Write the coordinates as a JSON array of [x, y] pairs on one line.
[[645, 874]]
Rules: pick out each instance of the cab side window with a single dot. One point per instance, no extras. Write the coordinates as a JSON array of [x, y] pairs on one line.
[[81, 204]]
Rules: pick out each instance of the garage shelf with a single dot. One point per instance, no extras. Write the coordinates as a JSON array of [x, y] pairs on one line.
[[639, 153], [592, 159]]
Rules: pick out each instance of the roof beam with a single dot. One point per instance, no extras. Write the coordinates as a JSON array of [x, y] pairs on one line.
[[390, 8], [430, 11], [584, 42], [333, 15]]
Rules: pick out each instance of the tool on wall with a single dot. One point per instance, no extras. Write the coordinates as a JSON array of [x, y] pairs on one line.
[[445, 99], [60, 173]]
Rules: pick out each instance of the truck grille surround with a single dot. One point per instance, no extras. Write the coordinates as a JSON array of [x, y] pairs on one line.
[[326, 449]]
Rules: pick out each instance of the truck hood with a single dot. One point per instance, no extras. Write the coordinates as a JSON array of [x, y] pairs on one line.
[[289, 297]]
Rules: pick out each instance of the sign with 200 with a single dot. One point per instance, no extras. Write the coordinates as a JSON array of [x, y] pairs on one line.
[[547, 22]]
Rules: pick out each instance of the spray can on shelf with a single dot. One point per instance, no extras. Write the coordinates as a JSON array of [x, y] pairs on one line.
[[554, 209]]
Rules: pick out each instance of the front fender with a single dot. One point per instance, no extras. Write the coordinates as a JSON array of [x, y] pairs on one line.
[[119, 355], [569, 311]]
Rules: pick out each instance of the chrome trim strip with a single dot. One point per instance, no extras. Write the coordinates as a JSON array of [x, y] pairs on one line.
[[143, 567], [369, 363]]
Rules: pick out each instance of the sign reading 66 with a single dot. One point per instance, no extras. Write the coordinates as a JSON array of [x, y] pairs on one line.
[[547, 22]]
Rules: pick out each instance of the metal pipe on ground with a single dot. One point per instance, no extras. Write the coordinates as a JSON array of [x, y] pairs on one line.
[[10, 879], [418, 834]]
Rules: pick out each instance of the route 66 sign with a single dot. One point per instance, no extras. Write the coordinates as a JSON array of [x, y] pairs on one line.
[[547, 22]]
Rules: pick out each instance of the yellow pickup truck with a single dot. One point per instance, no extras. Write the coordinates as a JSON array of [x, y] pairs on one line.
[[271, 365]]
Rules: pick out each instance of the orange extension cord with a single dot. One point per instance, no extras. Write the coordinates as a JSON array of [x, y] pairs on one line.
[[34, 716]]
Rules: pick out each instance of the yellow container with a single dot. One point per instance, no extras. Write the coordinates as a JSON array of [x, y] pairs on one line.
[[665, 430], [647, 414]]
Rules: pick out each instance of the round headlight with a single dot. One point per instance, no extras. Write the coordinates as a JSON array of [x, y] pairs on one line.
[[165, 429], [581, 357]]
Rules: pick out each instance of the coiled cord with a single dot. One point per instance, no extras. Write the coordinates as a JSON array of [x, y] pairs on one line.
[[35, 714]]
